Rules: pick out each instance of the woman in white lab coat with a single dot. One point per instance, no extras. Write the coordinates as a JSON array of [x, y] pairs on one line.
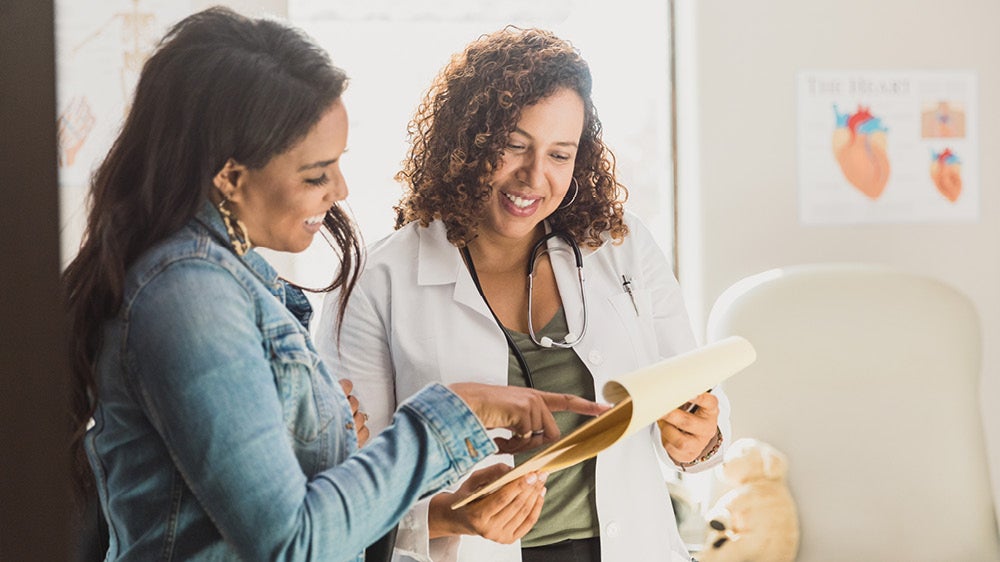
[[507, 172]]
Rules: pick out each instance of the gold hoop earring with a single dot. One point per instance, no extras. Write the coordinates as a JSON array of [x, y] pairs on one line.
[[235, 228], [576, 191]]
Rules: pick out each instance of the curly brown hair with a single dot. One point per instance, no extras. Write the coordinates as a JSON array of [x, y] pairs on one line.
[[462, 126]]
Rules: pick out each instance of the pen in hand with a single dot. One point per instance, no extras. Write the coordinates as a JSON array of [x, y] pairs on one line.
[[691, 408]]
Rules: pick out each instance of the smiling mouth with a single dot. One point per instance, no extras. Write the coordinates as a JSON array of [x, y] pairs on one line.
[[312, 221], [520, 202]]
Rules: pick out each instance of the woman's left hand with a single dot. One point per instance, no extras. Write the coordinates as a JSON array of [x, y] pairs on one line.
[[360, 418], [685, 435], [504, 516]]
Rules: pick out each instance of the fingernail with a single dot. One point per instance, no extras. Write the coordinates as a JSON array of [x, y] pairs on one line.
[[531, 478], [544, 476], [544, 490]]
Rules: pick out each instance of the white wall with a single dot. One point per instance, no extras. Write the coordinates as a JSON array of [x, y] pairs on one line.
[[737, 110], [393, 53], [252, 8], [96, 63]]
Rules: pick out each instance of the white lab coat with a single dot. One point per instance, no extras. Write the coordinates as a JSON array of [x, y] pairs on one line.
[[417, 317]]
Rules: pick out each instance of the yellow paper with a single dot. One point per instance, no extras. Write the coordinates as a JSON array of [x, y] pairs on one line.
[[640, 398]]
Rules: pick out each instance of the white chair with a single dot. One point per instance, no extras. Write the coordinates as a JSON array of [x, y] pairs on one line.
[[868, 379]]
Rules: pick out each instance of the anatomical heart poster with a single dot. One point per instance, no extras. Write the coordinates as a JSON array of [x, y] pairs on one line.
[[887, 147]]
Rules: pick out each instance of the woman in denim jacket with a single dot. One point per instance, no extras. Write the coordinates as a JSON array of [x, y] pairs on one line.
[[215, 432]]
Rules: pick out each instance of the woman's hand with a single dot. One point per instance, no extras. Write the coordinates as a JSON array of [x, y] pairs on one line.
[[503, 516], [685, 434], [360, 418], [526, 412]]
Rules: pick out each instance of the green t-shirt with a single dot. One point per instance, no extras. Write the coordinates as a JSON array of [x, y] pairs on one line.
[[570, 510]]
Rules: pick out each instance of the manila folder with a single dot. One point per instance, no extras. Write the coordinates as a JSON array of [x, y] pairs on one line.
[[640, 398]]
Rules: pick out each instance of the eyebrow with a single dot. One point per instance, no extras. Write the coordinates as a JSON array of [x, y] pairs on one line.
[[320, 164], [560, 143]]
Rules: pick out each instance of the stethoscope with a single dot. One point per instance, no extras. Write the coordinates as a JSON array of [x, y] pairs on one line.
[[567, 341]]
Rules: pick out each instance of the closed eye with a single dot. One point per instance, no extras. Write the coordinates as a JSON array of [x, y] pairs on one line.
[[318, 182]]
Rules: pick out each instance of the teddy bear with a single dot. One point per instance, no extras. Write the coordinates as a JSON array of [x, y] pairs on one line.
[[756, 520]]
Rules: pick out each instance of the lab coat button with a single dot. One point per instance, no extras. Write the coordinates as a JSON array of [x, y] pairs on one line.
[[595, 357], [612, 531], [408, 521]]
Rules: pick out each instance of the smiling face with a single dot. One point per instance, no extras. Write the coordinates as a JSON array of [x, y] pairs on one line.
[[536, 167], [283, 203]]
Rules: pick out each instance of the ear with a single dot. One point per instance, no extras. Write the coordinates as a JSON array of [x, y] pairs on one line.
[[229, 180], [775, 463], [767, 459]]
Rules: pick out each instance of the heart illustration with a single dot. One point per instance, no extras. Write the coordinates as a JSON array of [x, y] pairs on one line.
[[859, 145], [946, 172]]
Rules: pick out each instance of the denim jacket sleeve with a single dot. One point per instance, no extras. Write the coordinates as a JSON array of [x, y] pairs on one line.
[[366, 359], [195, 362]]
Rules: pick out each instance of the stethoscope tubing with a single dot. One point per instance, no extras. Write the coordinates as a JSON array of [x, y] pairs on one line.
[[535, 252], [541, 248]]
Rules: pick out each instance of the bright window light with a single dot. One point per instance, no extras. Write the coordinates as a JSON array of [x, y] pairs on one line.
[[392, 49]]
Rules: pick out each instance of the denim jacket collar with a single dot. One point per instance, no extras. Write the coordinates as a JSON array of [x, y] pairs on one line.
[[208, 219]]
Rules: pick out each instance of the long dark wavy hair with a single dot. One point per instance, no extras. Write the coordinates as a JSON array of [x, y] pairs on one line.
[[218, 86], [461, 127]]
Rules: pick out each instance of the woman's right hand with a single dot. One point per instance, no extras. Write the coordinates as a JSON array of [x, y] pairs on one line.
[[526, 412], [503, 516]]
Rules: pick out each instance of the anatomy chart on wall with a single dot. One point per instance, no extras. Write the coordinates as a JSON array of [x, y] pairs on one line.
[[887, 147], [100, 49]]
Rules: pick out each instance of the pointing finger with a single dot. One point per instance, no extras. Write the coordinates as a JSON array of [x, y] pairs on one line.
[[569, 403]]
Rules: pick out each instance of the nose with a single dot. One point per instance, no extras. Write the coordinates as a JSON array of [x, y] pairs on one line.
[[338, 187], [531, 170]]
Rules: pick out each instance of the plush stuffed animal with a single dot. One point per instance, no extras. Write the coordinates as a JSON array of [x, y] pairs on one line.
[[755, 521]]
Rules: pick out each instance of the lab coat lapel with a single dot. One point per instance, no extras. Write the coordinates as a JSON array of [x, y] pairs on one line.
[[467, 334], [440, 263]]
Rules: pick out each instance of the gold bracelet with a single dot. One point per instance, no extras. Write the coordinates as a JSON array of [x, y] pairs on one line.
[[714, 448]]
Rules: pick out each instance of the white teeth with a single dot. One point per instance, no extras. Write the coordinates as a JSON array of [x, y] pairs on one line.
[[518, 201], [315, 220]]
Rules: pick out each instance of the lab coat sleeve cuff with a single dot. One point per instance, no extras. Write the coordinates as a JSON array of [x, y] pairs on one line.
[[413, 540], [412, 535], [445, 549], [724, 426], [710, 462]]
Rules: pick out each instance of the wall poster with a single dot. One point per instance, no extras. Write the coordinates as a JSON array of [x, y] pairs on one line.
[[887, 147], [100, 49]]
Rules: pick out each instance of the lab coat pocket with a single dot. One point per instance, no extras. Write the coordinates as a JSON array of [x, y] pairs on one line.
[[635, 311]]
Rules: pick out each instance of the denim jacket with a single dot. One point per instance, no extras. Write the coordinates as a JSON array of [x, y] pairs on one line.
[[219, 434]]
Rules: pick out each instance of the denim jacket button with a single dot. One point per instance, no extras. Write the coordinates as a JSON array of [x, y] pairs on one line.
[[349, 425]]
